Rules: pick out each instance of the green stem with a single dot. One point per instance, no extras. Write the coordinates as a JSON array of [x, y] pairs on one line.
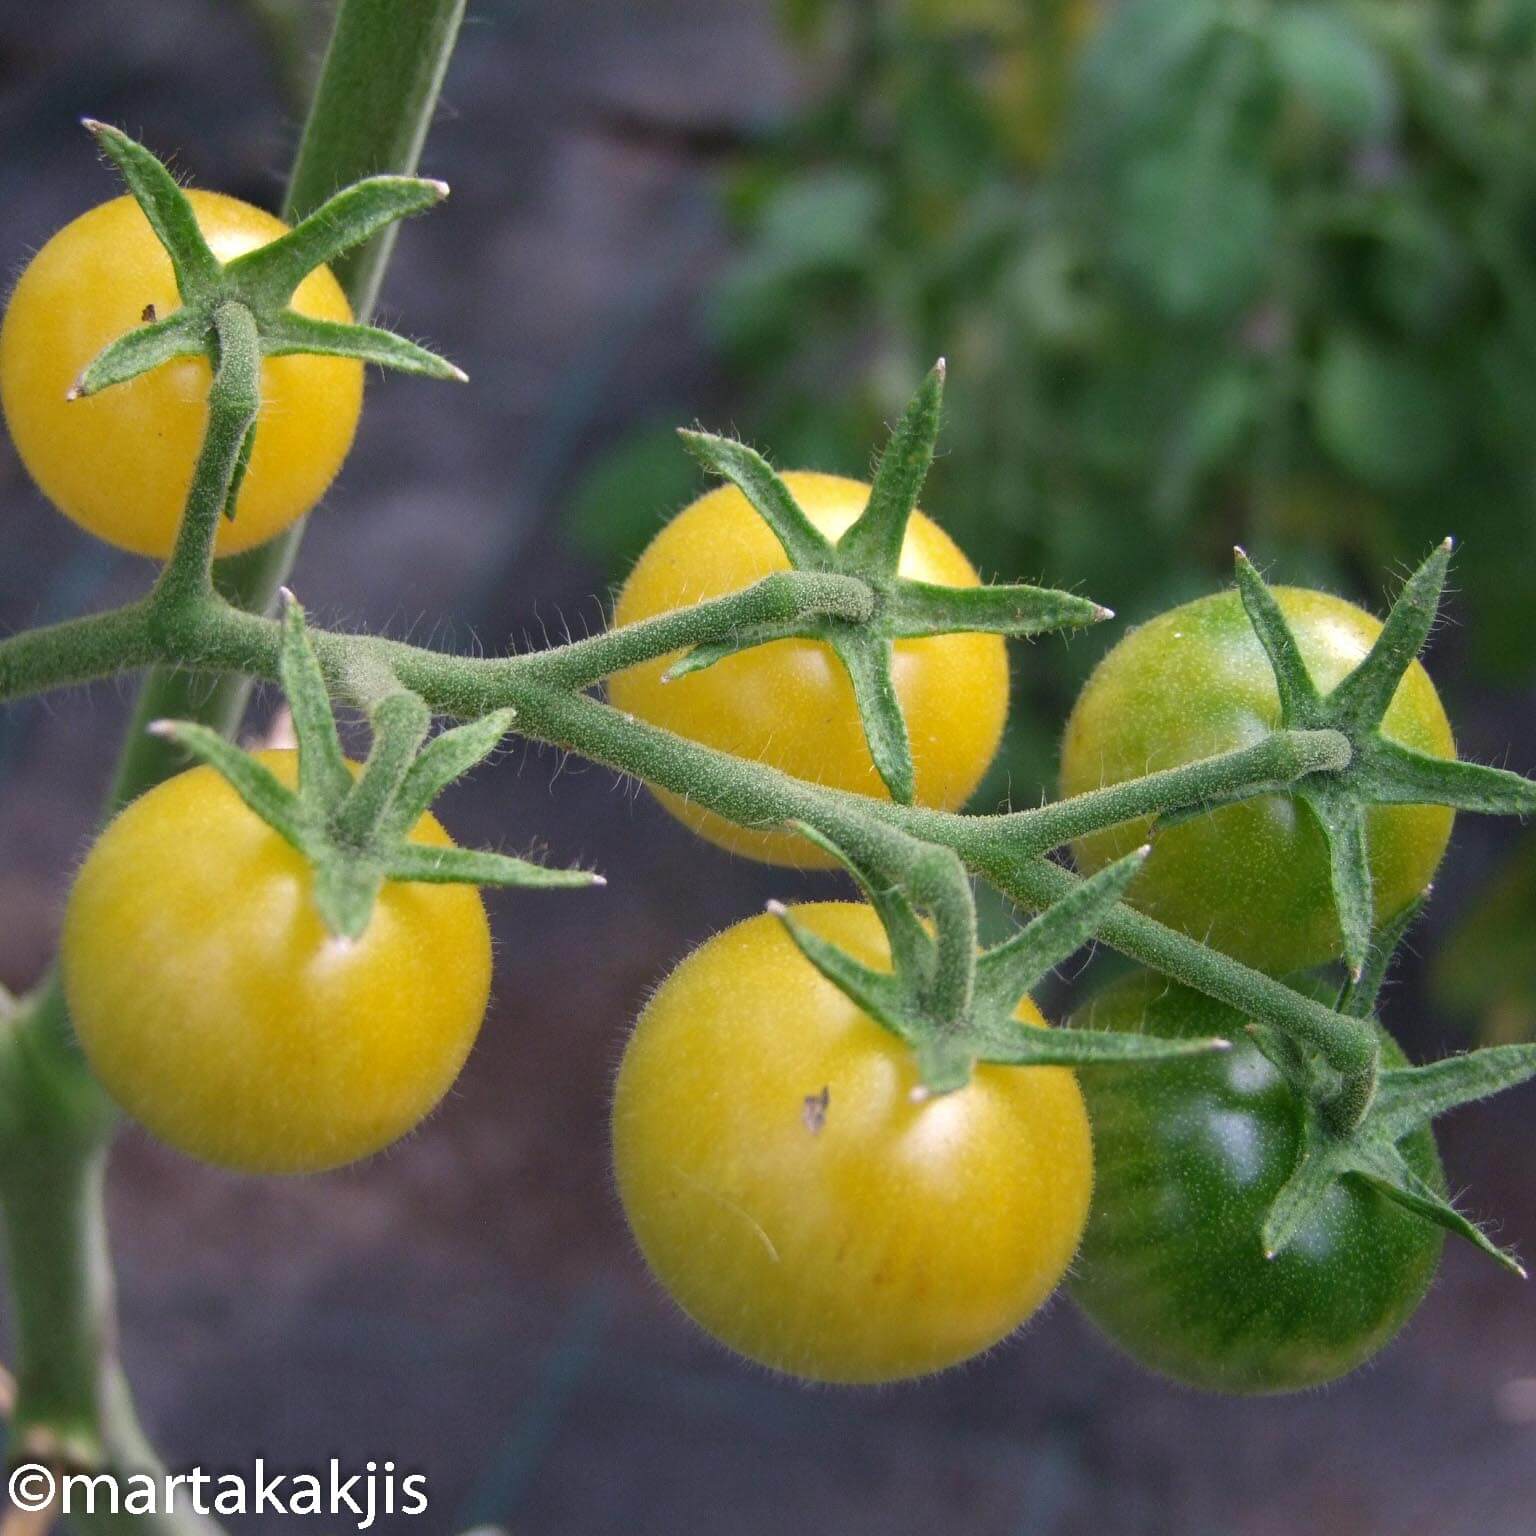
[[1266, 766], [52, 1148], [1006, 848], [753, 794], [234, 398], [371, 113]]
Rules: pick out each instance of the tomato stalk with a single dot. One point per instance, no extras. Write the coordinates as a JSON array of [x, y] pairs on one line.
[[234, 398], [543, 688], [371, 111]]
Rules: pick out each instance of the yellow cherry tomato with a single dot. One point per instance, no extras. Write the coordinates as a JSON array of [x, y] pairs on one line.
[[790, 703], [120, 462], [795, 1198], [219, 1011]]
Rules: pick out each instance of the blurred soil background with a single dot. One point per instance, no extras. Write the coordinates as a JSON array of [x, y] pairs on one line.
[[469, 1305]]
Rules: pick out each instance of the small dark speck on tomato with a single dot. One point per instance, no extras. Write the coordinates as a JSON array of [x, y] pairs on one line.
[[148, 315], [814, 1110]]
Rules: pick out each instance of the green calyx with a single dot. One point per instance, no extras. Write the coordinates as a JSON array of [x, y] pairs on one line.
[[953, 1005], [245, 302], [355, 830], [1379, 771], [870, 551], [1367, 1146]]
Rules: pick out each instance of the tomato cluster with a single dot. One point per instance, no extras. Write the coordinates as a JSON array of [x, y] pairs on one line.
[[798, 1204], [786, 1171]]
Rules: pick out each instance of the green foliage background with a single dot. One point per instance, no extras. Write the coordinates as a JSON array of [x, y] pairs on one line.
[[1206, 271]]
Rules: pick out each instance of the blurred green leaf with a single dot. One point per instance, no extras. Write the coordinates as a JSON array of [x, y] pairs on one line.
[[1324, 60], [1385, 414], [820, 219], [1195, 223], [1135, 69]]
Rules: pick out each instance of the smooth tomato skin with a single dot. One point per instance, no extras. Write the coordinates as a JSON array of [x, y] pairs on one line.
[[220, 1013], [120, 463], [1251, 879], [1189, 1156], [790, 703], [864, 1240]]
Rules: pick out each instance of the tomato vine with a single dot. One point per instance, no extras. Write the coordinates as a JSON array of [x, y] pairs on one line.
[[954, 1007]]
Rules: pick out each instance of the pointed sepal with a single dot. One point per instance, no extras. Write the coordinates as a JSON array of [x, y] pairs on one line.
[[1387, 1171], [1298, 693], [1360, 995], [138, 351], [1360, 702], [880, 994], [166, 207], [345, 893], [916, 608], [445, 759], [1030, 1046], [1012, 969], [290, 332], [1302, 1193], [400, 724], [911, 943], [1410, 1097], [252, 780], [773, 501], [1392, 774], [324, 779], [427, 864], [269, 274], [1341, 817], [868, 661], [872, 545]]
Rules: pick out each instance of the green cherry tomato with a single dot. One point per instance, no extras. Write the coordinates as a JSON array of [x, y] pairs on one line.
[[217, 1009], [120, 462], [795, 1198], [1251, 879], [1189, 1156]]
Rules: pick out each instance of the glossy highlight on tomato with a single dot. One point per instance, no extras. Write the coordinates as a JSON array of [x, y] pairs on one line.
[[797, 1201], [218, 1010], [1189, 1156], [790, 703], [120, 462], [1251, 879]]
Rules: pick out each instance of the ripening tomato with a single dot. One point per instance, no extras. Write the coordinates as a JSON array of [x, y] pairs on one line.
[[219, 1011], [790, 703], [1190, 1155], [794, 1199], [1253, 878], [120, 462]]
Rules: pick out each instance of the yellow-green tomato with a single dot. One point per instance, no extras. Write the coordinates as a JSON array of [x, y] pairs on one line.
[[790, 703], [1252, 879], [801, 1202], [219, 1011], [120, 462]]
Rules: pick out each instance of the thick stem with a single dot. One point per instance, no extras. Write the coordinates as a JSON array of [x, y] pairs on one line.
[[1268, 765], [371, 114], [1348, 1045], [233, 401], [752, 794], [52, 1151]]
